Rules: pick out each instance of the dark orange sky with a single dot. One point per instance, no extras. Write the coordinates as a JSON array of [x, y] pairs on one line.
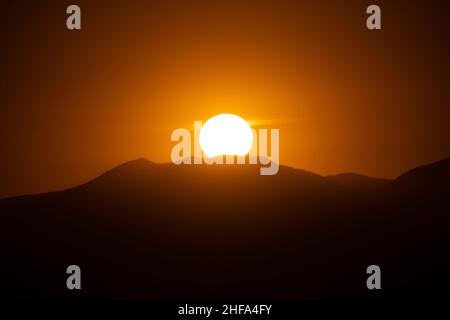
[[76, 103]]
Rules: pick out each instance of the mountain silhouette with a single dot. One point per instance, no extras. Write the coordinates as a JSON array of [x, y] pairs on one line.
[[165, 231], [430, 178]]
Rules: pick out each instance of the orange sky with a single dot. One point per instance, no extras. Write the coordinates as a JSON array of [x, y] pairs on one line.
[[345, 98]]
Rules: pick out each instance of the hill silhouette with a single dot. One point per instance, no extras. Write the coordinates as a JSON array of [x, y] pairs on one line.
[[146, 230]]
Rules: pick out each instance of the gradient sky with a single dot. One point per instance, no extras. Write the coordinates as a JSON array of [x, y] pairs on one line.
[[346, 99]]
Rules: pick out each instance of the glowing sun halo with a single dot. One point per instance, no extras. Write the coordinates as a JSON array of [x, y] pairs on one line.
[[226, 134]]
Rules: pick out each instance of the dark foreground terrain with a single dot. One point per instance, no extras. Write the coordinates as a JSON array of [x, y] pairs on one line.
[[145, 230]]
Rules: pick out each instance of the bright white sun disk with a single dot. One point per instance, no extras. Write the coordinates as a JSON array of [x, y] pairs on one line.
[[226, 134]]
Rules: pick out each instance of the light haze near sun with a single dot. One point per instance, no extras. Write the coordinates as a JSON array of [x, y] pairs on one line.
[[226, 134]]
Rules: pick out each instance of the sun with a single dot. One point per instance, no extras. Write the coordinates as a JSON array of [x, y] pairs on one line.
[[226, 134]]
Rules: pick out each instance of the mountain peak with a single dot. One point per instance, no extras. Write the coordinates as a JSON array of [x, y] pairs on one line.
[[432, 173], [128, 169]]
